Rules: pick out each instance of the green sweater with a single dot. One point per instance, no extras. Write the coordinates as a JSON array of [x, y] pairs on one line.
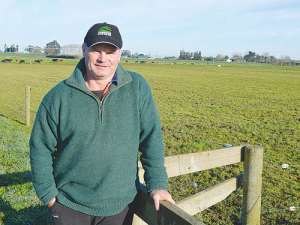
[[85, 152]]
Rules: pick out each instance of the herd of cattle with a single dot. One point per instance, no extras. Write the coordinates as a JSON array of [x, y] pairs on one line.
[[61, 60], [158, 62], [30, 61]]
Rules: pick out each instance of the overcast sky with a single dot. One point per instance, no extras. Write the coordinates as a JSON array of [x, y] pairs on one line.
[[161, 28]]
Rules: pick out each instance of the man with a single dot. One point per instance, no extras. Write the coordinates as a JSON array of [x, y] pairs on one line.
[[86, 136]]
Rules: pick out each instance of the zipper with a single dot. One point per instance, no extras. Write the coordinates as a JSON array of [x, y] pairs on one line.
[[107, 92]]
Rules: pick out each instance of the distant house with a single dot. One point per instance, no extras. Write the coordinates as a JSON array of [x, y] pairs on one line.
[[126, 54], [228, 60]]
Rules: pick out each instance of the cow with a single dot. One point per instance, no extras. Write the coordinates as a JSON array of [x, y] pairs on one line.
[[192, 64], [126, 61], [61, 60], [158, 62], [17, 60], [54, 60], [136, 61], [22, 61], [38, 60], [6, 60], [184, 63]]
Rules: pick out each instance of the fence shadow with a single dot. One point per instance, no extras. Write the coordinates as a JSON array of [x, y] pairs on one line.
[[22, 123], [30, 215]]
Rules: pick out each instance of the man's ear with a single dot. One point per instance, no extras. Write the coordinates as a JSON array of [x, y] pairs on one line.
[[120, 54], [83, 49]]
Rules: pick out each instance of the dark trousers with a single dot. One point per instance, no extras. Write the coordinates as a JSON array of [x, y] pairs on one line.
[[62, 215]]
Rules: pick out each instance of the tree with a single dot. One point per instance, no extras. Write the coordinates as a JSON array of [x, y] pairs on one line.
[[237, 57], [273, 59], [126, 54], [12, 48], [71, 49], [220, 57], [249, 56], [186, 55], [267, 57], [259, 58], [37, 50], [29, 49], [210, 58], [197, 55], [287, 60], [52, 48]]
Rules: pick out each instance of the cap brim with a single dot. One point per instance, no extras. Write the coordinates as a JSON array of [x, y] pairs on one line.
[[105, 42]]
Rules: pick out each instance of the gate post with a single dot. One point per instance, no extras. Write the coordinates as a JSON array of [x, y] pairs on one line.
[[253, 164]]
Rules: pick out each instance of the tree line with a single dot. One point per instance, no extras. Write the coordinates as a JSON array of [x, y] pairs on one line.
[[51, 48], [12, 48], [190, 55], [249, 57], [252, 57], [54, 48]]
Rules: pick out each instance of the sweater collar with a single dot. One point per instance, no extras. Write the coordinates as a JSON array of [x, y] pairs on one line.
[[77, 78]]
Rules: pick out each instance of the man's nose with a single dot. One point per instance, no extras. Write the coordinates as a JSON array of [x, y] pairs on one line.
[[102, 57]]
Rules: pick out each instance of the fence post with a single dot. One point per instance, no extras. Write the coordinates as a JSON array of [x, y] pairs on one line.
[[253, 164], [27, 106]]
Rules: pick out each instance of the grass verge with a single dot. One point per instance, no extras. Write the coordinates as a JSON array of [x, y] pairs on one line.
[[18, 201]]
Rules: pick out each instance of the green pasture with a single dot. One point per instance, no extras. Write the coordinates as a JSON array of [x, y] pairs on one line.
[[202, 107]]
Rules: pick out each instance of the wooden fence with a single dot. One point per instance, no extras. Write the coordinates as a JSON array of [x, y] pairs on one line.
[[182, 213]]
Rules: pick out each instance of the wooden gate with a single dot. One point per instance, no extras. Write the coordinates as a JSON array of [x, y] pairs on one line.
[[182, 213]]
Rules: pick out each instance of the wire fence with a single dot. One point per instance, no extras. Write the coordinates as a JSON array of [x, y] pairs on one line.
[[19, 104], [191, 184]]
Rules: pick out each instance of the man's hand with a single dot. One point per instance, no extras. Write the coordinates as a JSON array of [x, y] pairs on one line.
[[51, 202], [159, 195]]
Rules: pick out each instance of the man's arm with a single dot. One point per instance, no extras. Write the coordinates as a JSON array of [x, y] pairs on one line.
[[43, 142], [152, 148]]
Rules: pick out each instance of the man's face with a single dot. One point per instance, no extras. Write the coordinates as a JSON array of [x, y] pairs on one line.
[[101, 60]]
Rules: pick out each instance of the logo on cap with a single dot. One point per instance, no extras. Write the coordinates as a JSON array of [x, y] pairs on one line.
[[106, 30]]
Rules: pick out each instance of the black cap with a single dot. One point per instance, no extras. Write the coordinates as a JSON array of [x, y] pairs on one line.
[[103, 33]]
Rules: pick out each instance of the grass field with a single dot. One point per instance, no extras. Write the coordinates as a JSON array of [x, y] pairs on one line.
[[201, 107]]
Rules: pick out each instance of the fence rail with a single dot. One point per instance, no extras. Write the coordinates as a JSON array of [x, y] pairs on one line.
[[183, 211]]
